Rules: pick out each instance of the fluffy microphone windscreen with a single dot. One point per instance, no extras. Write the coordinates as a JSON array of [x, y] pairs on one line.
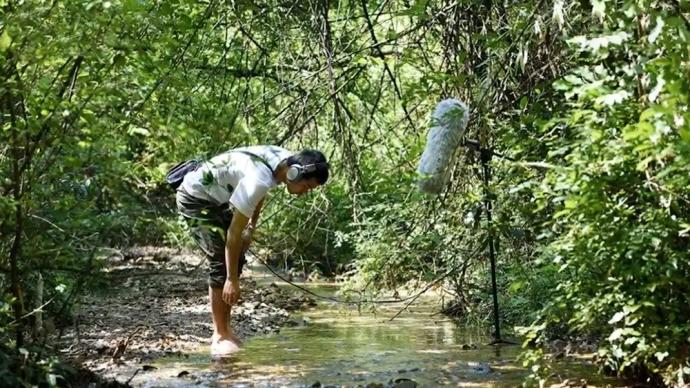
[[448, 123]]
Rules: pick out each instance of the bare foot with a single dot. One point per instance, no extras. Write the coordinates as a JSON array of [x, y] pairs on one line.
[[224, 345]]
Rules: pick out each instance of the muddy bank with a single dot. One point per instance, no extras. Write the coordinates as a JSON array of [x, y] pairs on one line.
[[155, 303]]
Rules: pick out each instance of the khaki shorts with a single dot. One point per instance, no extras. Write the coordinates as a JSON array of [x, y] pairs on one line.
[[209, 225]]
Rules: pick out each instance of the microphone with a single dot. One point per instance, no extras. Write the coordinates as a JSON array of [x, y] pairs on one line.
[[448, 123]]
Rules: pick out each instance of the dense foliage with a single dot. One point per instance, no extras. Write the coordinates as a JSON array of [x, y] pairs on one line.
[[588, 101], [618, 180]]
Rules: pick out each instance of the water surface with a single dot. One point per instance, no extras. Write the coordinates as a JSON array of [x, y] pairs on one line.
[[334, 344]]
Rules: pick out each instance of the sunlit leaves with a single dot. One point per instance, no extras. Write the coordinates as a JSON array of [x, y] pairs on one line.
[[599, 9], [612, 98], [598, 43]]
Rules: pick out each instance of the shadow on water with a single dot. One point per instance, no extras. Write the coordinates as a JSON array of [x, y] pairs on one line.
[[336, 345]]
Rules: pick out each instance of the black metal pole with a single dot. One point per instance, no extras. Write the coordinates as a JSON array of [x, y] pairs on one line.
[[485, 155]]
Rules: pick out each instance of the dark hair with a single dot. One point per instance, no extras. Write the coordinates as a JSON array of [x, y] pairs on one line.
[[306, 157]]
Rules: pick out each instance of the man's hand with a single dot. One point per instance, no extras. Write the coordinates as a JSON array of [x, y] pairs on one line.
[[231, 292]]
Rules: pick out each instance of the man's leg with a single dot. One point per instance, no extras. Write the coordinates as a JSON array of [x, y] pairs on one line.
[[212, 242], [223, 341], [208, 225]]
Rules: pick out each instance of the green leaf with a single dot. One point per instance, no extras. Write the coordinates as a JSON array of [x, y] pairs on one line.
[[5, 40], [132, 5], [617, 317], [139, 131], [618, 333], [613, 98], [515, 287], [416, 9], [597, 43], [598, 9]]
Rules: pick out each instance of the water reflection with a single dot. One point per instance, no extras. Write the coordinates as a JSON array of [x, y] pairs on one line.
[[340, 346]]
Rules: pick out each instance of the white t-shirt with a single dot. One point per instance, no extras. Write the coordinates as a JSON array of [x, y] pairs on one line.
[[250, 178]]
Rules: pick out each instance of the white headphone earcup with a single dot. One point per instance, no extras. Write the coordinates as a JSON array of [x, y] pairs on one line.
[[293, 173]]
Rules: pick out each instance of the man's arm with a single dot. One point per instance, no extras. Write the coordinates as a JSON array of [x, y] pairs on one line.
[[248, 233], [257, 212], [233, 249]]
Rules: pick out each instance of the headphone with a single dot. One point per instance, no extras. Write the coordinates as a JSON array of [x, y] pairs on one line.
[[295, 172]]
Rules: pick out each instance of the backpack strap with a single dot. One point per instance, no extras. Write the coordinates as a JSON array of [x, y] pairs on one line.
[[176, 174], [257, 157]]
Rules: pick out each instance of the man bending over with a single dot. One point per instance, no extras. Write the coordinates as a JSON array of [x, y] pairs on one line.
[[221, 201]]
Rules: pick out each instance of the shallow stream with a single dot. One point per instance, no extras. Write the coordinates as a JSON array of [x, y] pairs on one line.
[[336, 345]]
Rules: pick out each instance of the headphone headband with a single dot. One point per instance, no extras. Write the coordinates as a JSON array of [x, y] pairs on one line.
[[313, 167]]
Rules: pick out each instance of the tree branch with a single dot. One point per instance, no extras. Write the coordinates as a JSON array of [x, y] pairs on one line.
[[381, 55]]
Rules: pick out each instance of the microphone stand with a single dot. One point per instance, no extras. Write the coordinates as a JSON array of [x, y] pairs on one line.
[[485, 155]]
